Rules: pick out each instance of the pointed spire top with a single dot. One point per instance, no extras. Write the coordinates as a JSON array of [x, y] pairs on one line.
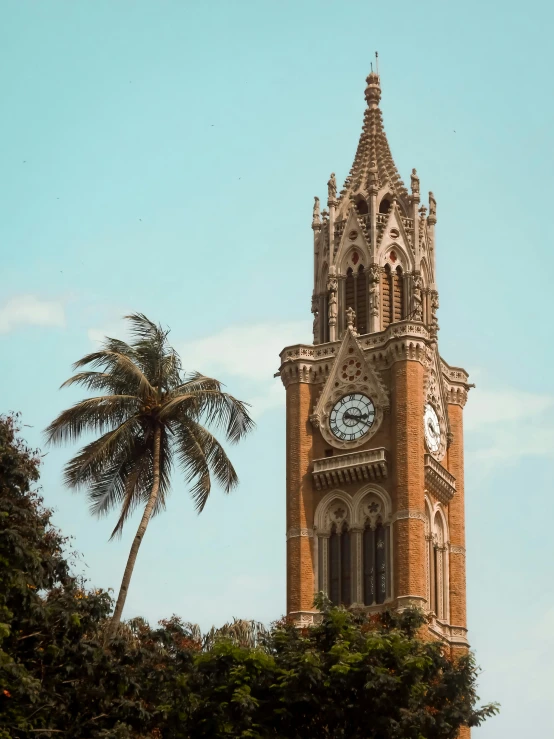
[[373, 166]]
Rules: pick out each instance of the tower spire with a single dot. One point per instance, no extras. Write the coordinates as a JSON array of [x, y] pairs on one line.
[[373, 167]]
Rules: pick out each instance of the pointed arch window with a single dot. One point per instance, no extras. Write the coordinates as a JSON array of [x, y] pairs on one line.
[[361, 301], [340, 565], [375, 557], [437, 563], [397, 294]]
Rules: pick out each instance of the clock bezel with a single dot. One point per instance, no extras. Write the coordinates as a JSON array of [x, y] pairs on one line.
[[368, 429], [435, 452], [321, 420]]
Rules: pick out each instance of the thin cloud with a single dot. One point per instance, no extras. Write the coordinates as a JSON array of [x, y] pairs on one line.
[[506, 425], [29, 310]]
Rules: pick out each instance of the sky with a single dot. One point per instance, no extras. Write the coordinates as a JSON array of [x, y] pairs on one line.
[[162, 157]]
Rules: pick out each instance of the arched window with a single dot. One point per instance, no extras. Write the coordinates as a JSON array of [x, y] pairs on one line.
[[397, 294], [361, 301], [437, 564], [349, 291], [375, 563], [384, 205], [361, 205], [386, 302], [340, 565]]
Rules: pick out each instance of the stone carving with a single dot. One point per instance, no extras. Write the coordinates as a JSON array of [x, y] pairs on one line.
[[455, 549], [332, 287], [332, 188], [414, 182], [374, 273], [409, 513], [417, 297], [372, 512], [315, 311], [350, 318], [316, 219], [432, 207], [434, 323], [373, 177], [293, 533]]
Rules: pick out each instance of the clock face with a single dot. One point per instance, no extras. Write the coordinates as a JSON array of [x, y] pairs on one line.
[[432, 429], [352, 417]]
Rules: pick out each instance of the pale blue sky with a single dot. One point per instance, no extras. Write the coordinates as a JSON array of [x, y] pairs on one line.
[[162, 156]]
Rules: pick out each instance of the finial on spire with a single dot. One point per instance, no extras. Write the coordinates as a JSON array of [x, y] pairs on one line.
[[373, 89], [377, 62]]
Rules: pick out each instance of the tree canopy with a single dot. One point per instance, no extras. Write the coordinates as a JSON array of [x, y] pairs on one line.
[[350, 676]]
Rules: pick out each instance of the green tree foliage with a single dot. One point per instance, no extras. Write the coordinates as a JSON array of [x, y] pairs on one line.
[[148, 415], [349, 676]]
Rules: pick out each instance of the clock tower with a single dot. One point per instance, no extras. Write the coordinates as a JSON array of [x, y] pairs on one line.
[[375, 455]]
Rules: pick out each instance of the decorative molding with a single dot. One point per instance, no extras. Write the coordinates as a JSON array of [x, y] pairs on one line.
[[410, 601], [350, 373], [305, 618], [455, 549], [368, 465], [455, 635], [438, 480], [293, 533], [409, 513]]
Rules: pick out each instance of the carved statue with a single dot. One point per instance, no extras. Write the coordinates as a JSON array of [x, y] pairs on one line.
[[315, 311], [374, 274], [373, 176], [432, 205], [434, 323], [317, 215], [350, 317], [415, 182], [332, 287], [332, 187], [417, 297]]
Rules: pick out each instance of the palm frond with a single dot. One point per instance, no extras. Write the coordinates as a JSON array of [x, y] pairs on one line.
[[94, 459], [93, 414], [218, 409], [200, 455], [124, 368]]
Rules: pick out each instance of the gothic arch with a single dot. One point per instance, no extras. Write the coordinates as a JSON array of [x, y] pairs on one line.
[[438, 564], [360, 500], [324, 517]]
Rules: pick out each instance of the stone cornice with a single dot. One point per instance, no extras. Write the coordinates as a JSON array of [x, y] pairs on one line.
[[403, 340]]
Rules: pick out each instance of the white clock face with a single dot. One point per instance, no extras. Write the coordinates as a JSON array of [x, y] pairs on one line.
[[432, 429], [352, 417]]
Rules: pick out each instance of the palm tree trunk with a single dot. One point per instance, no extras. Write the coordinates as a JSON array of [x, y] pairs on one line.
[[137, 541]]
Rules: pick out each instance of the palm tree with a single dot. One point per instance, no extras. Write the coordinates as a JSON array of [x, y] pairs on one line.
[[150, 414]]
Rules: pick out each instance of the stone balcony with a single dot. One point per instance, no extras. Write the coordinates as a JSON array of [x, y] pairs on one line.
[[439, 481], [369, 465]]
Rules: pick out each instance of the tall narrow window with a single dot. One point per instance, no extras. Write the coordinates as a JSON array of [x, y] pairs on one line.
[[361, 301], [340, 565], [398, 295], [349, 291], [381, 564], [375, 564], [369, 565], [386, 295], [334, 566], [345, 567]]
